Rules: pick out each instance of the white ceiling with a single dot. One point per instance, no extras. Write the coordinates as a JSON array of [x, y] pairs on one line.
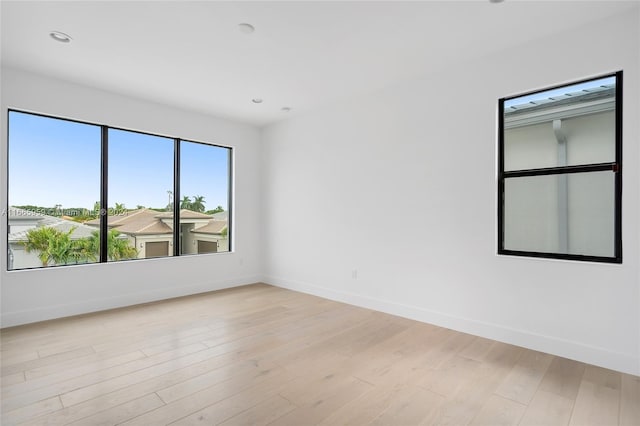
[[191, 54]]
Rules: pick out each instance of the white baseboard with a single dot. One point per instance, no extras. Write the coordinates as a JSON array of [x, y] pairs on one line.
[[565, 348], [10, 319]]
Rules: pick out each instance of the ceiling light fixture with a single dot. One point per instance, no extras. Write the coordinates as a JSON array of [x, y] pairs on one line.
[[246, 28], [496, 1], [256, 100], [60, 36], [285, 109]]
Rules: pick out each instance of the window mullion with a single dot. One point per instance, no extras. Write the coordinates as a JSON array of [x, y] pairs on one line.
[[618, 170], [104, 178], [600, 167], [177, 241]]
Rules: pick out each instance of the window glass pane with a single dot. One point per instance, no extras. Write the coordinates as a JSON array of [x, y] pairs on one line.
[[204, 198], [567, 214], [140, 194], [574, 125], [54, 181]]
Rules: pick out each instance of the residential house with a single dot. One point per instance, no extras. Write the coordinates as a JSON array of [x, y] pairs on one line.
[[21, 221], [151, 232]]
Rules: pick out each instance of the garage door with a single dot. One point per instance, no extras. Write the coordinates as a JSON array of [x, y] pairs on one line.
[[207, 246], [157, 249]]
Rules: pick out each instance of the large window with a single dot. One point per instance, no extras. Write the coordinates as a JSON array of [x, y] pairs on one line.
[[54, 180], [140, 180], [560, 172], [204, 211], [84, 193]]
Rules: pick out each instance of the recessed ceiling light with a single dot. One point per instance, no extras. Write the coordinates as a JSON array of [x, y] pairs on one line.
[[246, 28], [256, 100], [285, 109], [60, 36]]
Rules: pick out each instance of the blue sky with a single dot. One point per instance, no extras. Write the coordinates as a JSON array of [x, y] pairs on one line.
[[557, 92], [55, 161]]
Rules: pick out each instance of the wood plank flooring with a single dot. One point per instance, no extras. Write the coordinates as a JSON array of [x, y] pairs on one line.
[[260, 355]]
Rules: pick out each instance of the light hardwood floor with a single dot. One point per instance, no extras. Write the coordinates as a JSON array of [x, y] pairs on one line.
[[259, 355]]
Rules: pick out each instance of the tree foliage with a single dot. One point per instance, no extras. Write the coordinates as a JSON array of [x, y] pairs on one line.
[[117, 248], [198, 203], [55, 247], [185, 203], [52, 245], [218, 209]]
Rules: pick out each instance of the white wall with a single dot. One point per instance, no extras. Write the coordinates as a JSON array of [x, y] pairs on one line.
[[34, 295], [400, 185]]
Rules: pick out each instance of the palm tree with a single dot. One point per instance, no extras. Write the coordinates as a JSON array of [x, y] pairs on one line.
[[89, 248], [169, 207], [117, 248], [186, 203], [38, 240], [53, 246], [119, 207], [198, 203]]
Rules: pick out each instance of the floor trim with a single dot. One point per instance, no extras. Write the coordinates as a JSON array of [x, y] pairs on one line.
[[548, 344]]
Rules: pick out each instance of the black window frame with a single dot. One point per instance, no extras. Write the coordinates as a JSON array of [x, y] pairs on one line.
[[615, 167], [104, 180]]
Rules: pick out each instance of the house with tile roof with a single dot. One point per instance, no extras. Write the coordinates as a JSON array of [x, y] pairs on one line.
[[21, 221], [151, 232]]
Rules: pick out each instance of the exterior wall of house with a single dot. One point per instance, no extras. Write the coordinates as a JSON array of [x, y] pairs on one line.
[[188, 241], [20, 259], [589, 139], [223, 243]]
